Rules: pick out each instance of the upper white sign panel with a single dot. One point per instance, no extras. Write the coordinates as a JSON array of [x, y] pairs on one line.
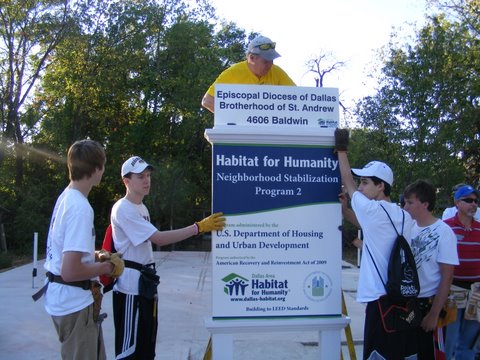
[[277, 106]]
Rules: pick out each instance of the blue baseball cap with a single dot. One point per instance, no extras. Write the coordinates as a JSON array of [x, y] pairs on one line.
[[465, 191]]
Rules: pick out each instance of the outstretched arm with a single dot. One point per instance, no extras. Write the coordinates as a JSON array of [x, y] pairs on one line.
[[346, 173], [341, 147], [213, 222]]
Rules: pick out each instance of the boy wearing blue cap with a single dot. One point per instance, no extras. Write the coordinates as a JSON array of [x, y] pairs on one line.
[[461, 334]]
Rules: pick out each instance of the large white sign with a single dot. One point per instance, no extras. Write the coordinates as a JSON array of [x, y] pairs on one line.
[[280, 253], [276, 106]]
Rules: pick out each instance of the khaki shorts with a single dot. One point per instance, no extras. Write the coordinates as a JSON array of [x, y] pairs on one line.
[[80, 337]]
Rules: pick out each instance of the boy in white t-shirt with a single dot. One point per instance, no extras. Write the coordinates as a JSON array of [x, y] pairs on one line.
[[373, 193], [134, 308], [434, 246], [71, 259]]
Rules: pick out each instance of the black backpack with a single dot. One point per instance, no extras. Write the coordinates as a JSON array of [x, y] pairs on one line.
[[402, 283]]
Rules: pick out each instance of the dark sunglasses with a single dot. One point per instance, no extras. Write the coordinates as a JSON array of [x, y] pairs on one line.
[[266, 46], [470, 200]]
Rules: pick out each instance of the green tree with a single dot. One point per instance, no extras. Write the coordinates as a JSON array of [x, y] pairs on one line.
[[426, 111], [29, 34], [132, 78]]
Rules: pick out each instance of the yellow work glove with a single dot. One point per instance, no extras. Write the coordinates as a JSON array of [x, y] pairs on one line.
[[103, 255], [118, 265], [213, 222]]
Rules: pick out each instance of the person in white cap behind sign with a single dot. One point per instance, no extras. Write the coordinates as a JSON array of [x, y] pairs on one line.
[[257, 69], [370, 200], [135, 293]]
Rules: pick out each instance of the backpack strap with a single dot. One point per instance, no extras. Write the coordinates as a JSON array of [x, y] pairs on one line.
[[368, 250], [389, 218], [376, 268]]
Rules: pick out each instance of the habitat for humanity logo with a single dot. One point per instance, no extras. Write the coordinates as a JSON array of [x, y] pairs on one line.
[[317, 286], [327, 123], [235, 285]]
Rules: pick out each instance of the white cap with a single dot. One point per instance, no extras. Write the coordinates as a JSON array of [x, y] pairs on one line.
[[377, 169], [135, 165], [268, 54]]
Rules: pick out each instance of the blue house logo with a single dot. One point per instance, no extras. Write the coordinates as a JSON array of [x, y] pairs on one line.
[[235, 285]]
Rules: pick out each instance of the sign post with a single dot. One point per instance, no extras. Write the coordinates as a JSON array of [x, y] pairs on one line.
[[35, 251], [277, 264]]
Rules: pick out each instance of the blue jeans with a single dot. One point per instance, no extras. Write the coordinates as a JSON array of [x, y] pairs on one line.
[[461, 337]]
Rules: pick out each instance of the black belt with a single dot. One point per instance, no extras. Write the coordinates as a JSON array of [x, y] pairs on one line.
[[134, 265], [84, 284]]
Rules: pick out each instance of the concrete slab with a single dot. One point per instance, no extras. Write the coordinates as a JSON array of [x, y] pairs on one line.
[[27, 332]]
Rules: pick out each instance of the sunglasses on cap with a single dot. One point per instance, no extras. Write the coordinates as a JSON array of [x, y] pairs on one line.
[[470, 200], [266, 46]]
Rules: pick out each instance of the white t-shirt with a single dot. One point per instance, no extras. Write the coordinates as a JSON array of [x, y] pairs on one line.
[[71, 229], [432, 245], [379, 237], [131, 228], [452, 211]]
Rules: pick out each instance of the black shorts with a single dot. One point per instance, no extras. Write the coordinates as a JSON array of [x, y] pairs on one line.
[[378, 344]]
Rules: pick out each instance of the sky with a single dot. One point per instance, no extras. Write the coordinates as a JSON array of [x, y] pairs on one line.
[[351, 31]]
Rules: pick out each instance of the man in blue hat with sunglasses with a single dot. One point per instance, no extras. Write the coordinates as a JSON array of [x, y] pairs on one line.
[[257, 69], [462, 334], [451, 211]]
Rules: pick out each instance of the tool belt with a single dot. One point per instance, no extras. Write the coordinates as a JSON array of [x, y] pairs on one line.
[[459, 291], [133, 265], [85, 284], [148, 280]]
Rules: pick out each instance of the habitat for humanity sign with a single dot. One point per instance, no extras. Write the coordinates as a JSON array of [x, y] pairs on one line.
[[276, 178], [280, 252], [278, 106]]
